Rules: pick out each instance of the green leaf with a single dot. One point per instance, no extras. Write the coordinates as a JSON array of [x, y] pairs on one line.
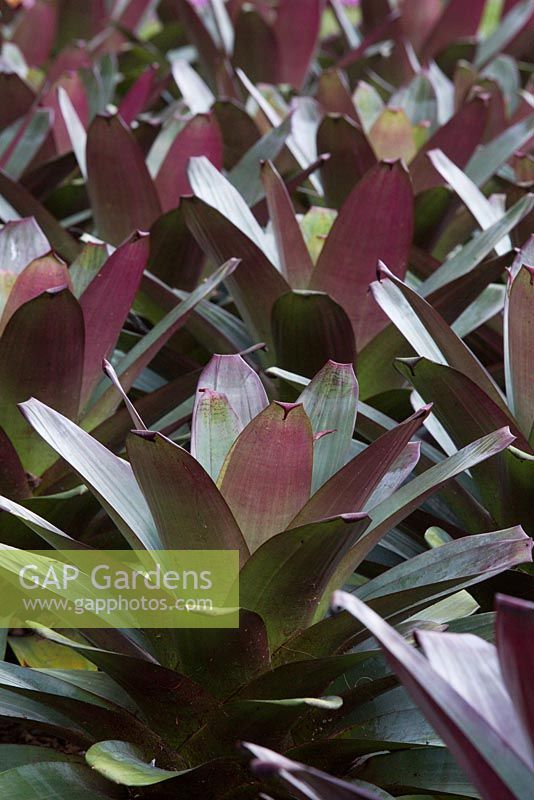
[[160, 693], [480, 207], [122, 193], [176, 487], [392, 136], [330, 400], [309, 328], [38, 781], [286, 578], [466, 411], [427, 769], [487, 160], [123, 763], [246, 175]]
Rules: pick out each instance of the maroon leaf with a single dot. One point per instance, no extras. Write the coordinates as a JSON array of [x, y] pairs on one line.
[[481, 749], [267, 475], [36, 31], [175, 257], [198, 34], [17, 98], [41, 355], [457, 139], [122, 193], [138, 96], [519, 343], [297, 31], [105, 304], [73, 85], [42, 274], [418, 18], [359, 238], [256, 284], [457, 21], [349, 489], [333, 93], [305, 782], [260, 61], [199, 137], [351, 156], [515, 646]]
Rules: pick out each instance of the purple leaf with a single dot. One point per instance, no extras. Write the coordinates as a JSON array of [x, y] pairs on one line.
[[515, 646], [105, 304], [456, 22], [519, 345], [267, 475], [297, 31], [257, 284], [345, 271], [231, 376], [485, 755], [139, 94], [41, 275], [41, 354], [458, 139], [122, 193], [199, 137], [350, 488]]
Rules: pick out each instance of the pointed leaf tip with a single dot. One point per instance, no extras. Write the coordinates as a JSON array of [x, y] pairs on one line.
[[287, 407], [149, 436]]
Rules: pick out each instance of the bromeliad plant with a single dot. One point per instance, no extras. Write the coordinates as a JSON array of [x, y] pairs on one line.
[[279, 483], [478, 696], [56, 326]]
